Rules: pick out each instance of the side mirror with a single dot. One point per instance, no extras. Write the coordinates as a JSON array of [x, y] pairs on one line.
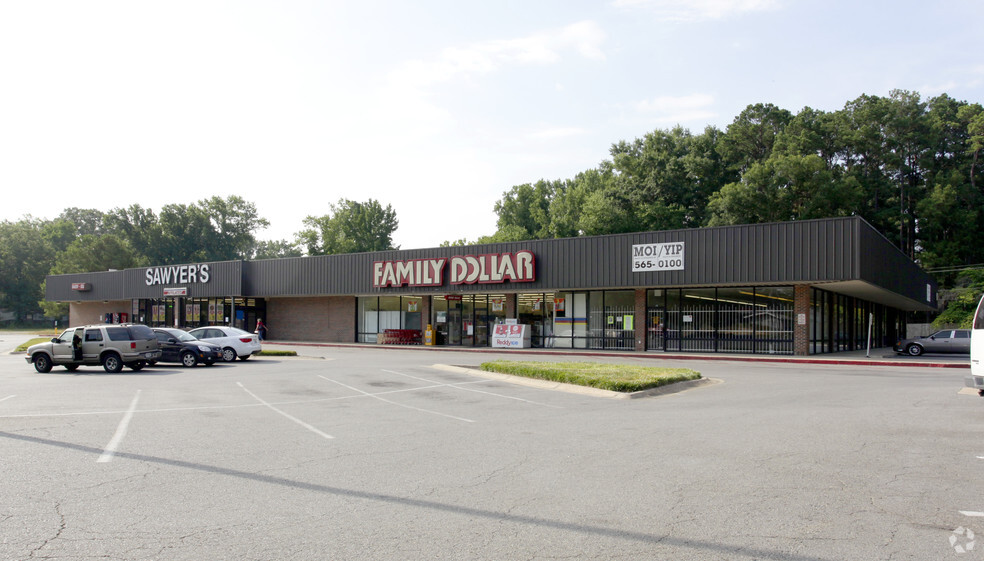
[[172, 340], [54, 339]]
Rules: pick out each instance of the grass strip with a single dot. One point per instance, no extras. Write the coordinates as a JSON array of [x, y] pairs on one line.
[[23, 348], [276, 353], [615, 377]]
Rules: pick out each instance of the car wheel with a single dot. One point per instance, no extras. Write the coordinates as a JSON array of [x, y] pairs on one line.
[[189, 359], [71, 367], [244, 357], [42, 363], [914, 350], [137, 366], [112, 363], [228, 354]]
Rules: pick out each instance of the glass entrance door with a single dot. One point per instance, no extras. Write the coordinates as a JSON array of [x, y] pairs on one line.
[[454, 321]]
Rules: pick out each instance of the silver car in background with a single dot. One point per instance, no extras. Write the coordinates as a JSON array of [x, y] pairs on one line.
[[945, 341]]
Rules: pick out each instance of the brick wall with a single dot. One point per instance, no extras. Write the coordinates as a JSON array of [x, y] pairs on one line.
[[329, 319], [801, 331], [88, 313], [640, 319]]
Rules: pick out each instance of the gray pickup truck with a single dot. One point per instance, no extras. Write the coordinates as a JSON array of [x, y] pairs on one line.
[[112, 345]]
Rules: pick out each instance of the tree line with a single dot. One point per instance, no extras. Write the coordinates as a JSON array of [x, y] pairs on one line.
[[213, 229], [910, 167]]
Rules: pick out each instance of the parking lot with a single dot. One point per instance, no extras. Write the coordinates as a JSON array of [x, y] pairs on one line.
[[363, 453]]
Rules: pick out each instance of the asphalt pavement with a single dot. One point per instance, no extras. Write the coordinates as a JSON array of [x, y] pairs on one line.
[[372, 453]]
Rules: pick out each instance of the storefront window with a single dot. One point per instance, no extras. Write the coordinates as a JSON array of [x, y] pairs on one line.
[[368, 319], [775, 320], [738, 317], [377, 314], [697, 320], [536, 310]]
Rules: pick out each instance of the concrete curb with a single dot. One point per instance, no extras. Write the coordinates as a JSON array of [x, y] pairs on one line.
[[580, 390], [830, 360]]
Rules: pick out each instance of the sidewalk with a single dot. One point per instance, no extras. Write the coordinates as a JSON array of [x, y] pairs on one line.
[[877, 357]]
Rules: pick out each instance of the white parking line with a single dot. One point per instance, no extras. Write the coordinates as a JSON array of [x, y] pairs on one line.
[[970, 513], [8, 397], [395, 403], [458, 386], [114, 443], [291, 417]]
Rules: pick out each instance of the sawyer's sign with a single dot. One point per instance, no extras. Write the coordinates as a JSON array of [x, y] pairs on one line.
[[491, 268], [177, 274]]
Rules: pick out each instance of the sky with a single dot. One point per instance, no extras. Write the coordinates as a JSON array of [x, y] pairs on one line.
[[434, 107]]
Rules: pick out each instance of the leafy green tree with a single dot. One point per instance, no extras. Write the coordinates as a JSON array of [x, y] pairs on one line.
[[25, 258], [85, 220], [509, 233], [89, 252], [214, 229], [351, 227], [185, 235], [276, 249], [752, 135], [95, 253], [232, 226], [527, 206], [962, 300], [784, 188], [567, 205], [141, 228]]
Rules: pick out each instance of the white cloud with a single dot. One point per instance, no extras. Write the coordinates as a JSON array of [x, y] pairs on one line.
[[697, 10], [555, 133], [542, 48], [669, 109]]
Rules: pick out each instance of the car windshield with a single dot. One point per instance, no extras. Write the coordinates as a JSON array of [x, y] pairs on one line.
[[181, 335], [235, 331]]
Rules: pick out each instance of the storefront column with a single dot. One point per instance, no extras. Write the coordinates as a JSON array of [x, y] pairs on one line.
[[511, 300], [425, 313], [801, 327], [640, 319]]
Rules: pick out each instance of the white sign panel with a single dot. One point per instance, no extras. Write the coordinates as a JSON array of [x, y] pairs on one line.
[[657, 257], [511, 336]]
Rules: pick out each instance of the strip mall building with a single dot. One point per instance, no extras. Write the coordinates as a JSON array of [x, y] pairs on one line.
[[805, 287]]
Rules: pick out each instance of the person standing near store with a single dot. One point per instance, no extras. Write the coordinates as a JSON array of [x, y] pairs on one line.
[[261, 330]]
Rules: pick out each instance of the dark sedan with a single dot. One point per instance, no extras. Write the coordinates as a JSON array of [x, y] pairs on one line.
[[946, 341], [178, 346]]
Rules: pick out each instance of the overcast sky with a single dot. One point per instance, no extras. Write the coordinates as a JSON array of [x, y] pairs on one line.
[[433, 107]]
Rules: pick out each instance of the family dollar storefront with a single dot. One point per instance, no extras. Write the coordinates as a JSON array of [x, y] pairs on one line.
[[806, 287]]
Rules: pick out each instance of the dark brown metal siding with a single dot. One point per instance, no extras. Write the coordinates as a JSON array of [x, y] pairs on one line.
[[804, 252], [883, 265], [225, 279]]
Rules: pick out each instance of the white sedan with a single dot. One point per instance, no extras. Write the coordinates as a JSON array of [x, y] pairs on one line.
[[235, 342]]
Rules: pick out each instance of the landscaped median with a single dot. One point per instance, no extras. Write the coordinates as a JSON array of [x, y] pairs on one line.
[[625, 378]]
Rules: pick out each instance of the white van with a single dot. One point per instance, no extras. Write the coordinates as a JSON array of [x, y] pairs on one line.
[[976, 378]]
